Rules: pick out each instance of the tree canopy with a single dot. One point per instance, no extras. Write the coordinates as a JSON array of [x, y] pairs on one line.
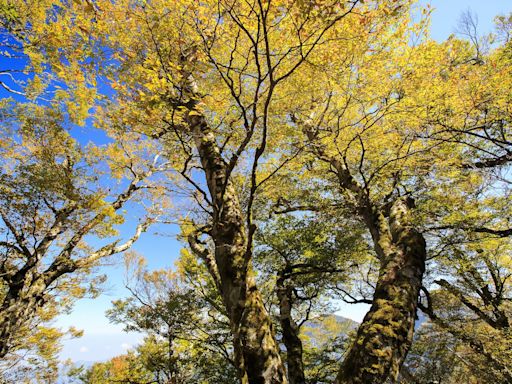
[[315, 150]]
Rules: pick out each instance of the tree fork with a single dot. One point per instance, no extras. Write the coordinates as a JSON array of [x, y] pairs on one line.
[[256, 350]]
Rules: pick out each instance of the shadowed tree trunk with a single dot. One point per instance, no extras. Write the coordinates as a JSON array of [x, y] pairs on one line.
[[290, 330]]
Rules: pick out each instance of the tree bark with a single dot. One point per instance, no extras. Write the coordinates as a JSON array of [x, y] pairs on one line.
[[18, 308], [385, 335], [256, 350], [26, 294], [291, 338]]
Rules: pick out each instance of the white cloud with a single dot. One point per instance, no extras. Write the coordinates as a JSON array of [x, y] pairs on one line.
[[126, 346], [84, 349]]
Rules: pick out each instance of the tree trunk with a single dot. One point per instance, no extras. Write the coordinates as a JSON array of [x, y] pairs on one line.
[[291, 338], [385, 335], [16, 312], [26, 295], [256, 350]]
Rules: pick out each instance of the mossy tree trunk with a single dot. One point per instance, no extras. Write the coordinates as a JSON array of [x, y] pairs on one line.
[[256, 350], [385, 335], [25, 296]]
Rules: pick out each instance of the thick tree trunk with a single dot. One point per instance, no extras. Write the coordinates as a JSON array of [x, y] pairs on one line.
[[385, 335], [16, 312], [256, 350], [291, 338], [25, 296]]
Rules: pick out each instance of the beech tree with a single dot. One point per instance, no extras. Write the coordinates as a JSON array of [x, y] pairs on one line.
[[53, 197], [290, 106], [375, 130]]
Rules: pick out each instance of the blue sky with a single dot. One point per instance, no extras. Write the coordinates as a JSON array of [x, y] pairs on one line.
[[447, 13], [102, 340]]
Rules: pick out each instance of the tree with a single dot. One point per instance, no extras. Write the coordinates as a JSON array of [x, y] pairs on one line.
[[184, 343], [38, 362], [243, 94], [53, 197], [160, 307], [367, 133], [472, 305], [128, 368], [326, 340], [437, 357]]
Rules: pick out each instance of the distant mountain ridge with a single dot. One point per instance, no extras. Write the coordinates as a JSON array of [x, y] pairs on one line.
[[339, 319]]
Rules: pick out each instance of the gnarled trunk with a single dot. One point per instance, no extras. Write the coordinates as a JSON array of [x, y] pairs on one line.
[[256, 350], [291, 338], [18, 308], [25, 296], [385, 335]]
